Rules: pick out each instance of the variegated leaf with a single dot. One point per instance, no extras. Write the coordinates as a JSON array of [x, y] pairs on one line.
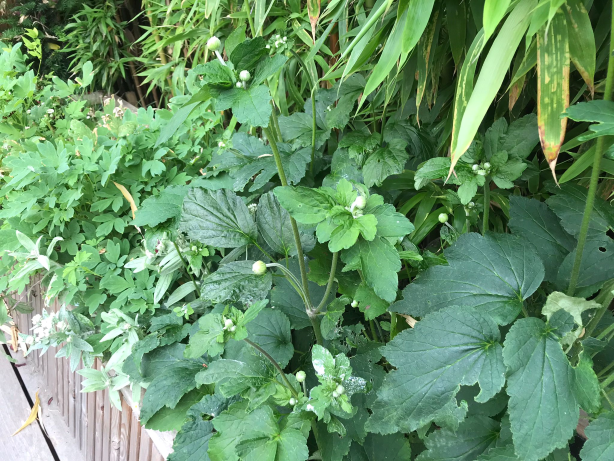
[[581, 41]]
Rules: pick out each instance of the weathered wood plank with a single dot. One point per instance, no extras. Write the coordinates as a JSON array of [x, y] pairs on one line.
[[126, 418], [145, 451], [115, 434], [106, 428], [28, 444], [135, 437], [99, 421]]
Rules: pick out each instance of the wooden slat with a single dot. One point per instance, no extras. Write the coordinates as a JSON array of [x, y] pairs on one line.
[[135, 437], [29, 444], [66, 372], [126, 418], [155, 455], [60, 384], [115, 434], [91, 427], [145, 451], [99, 421], [106, 428], [84, 419]]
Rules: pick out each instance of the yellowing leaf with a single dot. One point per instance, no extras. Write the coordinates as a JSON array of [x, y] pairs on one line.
[[552, 86], [313, 8], [128, 197], [581, 41], [32, 416]]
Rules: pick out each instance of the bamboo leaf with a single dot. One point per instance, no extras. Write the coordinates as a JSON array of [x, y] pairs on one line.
[[552, 87], [581, 41], [494, 10], [313, 8], [418, 14], [424, 54], [491, 77], [128, 196], [32, 417], [456, 16]]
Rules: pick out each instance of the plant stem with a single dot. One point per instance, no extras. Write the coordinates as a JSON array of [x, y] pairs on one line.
[[187, 269], [276, 124], [486, 205], [592, 189], [275, 364], [297, 240], [331, 279], [313, 129], [393, 325]]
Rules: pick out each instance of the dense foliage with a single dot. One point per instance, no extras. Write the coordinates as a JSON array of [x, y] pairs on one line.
[[352, 234]]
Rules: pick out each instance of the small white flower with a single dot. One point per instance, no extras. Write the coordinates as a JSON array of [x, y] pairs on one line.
[[285, 39], [252, 207], [475, 167], [301, 376], [335, 394], [28, 111], [126, 326], [268, 47], [88, 117], [69, 339], [292, 401], [228, 323], [50, 111], [278, 36], [194, 248], [239, 85], [340, 389], [61, 325], [487, 165], [309, 407], [30, 340], [36, 319], [221, 144], [27, 128], [354, 303]]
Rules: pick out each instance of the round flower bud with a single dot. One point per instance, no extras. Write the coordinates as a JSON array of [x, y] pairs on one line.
[[69, 339], [471, 204], [214, 43], [300, 376], [233, 328], [292, 401], [475, 167], [487, 165], [360, 202], [481, 172], [443, 218], [245, 76], [354, 303], [239, 85], [340, 389], [259, 268], [335, 394], [228, 323]]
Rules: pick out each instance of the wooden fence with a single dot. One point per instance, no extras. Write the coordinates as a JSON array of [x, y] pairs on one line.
[[102, 432]]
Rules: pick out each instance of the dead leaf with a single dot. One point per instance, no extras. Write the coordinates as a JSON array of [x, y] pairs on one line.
[[128, 197], [33, 415]]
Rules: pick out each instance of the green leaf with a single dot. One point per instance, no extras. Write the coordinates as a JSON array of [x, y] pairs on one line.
[[236, 282], [236, 37], [499, 454], [418, 15], [274, 226], [475, 436], [271, 331], [492, 73], [540, 381], [581, 41], [369, 303], [115, 284], [552, 86], [521, 137], [586, 385], [536, 223], [384, 162], [494, 10], [376, 447], [208, 339], [600, 443], [297, 128], [599, 111], [158, 209], [574, 306], [217, 218], [390, 224], [253, 106], [192, 441], [452, 347], [268, 67], [380, 262], [88, 74], [215, 74], [494, 273], [168, 419], [233, 376], [246, 55], [171, 127], [306, 205]]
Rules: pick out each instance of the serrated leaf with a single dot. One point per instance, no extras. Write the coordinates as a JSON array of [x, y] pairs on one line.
[[297, 128], [236, 282], [271, 331], [552, 86], [171, 419], [536, 223], [306, 205], [158, 209], [253, 106], [246, 55], [494, 273], [600, 443], [208, 339], [192, 441], [274, 226], [452, 347], [384, 162], [376, 447], [217, 218], [268, 67], [543, 408], [599, 111], [586, 385]]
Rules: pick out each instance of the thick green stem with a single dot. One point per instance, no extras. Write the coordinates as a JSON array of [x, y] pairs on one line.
[[313, 128], [592, 189], [486, 205], [331, 280], [275, 364], [187, 269]]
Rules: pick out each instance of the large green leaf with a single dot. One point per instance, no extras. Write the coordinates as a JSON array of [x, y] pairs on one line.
[[158, 209], [552, 86], [494, 273], [474, 436], [217, 218], [246, 55], [376, 447], [171, 419], [253, 106], [452, 347], [306, 205], [494, 10], [581, 41], [271, 331], [418, 15], [540, 381], [493, 71], [600, 112], [600, 443], [236, 282], [384, 162], [536, 223], [192, 441], [274, 226]]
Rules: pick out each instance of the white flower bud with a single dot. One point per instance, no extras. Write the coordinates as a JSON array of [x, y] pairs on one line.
[[233, 328], [69, 339], [245, 76], [292, 401], [126, 326], [336, 394], [475, 167], [481, 172], [238, 85], [487, 165], [221, 144], [443, 218], [354, 303], [214, 43], [360, 202], [340, 389], [301, 376], [259, 268], [228, 323], [309, 407]]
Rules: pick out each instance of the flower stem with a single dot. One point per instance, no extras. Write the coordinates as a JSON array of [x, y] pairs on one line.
[[486, 205], [275, 364], [313, 128], [331, 279], [592, 189]]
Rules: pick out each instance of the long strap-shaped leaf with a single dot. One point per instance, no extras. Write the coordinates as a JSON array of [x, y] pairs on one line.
[[491, 76], [552, 86], [581, 41]]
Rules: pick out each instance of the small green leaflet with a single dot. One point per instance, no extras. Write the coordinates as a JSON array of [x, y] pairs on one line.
[[536, 223], [495, 273], [600, 443], [542, 407], [236, 282], [306, 205], [217, 218], [157, 209], [209, 339], [456, 345]]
